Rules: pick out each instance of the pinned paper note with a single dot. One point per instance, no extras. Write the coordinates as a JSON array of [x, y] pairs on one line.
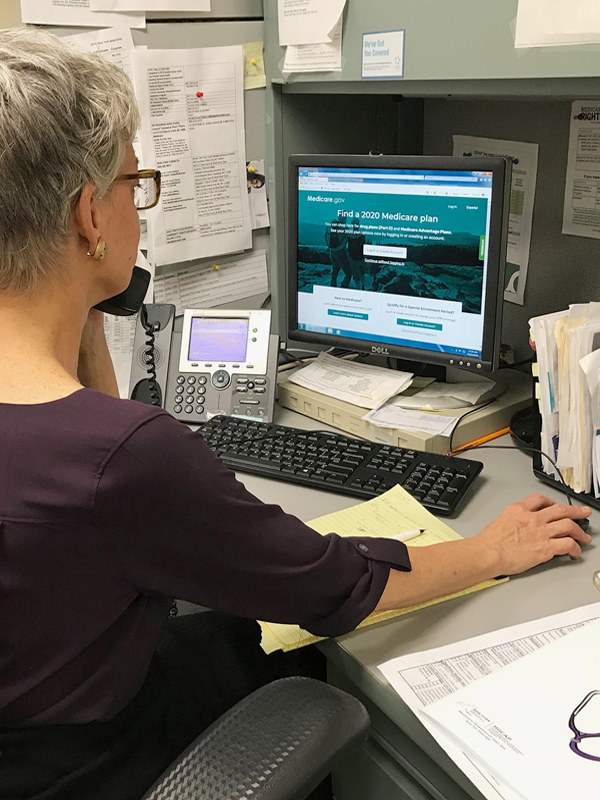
[[543, 23], [150, 5], [524, 157], [199, 145], [323, 57], [254, 66], [212, 284], [308, 21], [78, 13]]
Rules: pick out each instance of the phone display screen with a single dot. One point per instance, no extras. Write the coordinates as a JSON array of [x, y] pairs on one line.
[[218, 339]]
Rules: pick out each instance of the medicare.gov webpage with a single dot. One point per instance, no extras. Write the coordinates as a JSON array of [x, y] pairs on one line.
[[394, 256]]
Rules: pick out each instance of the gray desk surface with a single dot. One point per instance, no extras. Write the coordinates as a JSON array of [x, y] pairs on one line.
[[548, 589]]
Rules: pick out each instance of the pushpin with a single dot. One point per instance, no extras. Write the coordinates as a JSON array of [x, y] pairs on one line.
[[251, 169], [199, 94], [254, 62], [216, 266]]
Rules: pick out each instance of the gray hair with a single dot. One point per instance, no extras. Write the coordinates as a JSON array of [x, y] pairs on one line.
[[66, 117]]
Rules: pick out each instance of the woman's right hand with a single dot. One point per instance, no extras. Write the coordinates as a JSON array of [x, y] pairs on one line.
[[534, 530]]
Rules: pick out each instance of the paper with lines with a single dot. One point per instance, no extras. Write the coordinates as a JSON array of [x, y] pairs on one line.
[[214, 283], [385, 516]]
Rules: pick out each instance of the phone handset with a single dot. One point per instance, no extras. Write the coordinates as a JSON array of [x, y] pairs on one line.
[[151, 350]]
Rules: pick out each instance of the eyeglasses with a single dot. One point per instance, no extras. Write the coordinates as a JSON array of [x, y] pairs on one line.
[[146, 192], [578, 743]]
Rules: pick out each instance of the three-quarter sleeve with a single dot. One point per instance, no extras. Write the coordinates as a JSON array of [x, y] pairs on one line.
[[176, 522]]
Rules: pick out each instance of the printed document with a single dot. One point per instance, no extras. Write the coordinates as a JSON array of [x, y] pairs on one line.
[[581, 212], [212, 284], [150, 5], [522, 195], [446, 395], [360, 384], [422, 678], [76, 12], [393, 415], [391, 513], [541, 23], [192, 104], [534, 723], [115, 44], [321, 57], [308, 21]]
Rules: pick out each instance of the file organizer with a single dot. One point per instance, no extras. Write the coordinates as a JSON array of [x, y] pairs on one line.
[[581, 498]]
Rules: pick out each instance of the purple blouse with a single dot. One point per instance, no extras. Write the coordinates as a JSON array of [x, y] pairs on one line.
[[109, 509]]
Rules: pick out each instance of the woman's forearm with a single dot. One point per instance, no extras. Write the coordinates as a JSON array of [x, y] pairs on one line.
[[527, 533], [438, 570]]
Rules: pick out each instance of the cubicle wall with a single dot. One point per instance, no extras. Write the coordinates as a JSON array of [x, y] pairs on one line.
[[462, 76]]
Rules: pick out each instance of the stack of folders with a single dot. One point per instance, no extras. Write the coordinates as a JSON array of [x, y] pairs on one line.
[[568, 363]]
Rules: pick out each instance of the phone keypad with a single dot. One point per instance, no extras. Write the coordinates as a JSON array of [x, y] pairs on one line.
[[190, 395]]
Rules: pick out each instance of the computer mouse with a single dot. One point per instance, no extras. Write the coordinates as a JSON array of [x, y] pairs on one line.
[[583, 523]]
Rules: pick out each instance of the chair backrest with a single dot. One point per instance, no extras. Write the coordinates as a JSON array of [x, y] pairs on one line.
[[276, 744]]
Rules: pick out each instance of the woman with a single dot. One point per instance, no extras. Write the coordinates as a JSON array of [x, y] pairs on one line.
[[110, 508]]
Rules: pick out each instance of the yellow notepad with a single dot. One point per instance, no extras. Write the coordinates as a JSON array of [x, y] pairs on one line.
[[390, 513]]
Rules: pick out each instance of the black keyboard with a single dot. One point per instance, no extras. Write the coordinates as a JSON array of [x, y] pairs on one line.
[[339, 463]]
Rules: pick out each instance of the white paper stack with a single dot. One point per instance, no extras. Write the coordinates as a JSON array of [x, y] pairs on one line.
[[360, 384], [568, 393], [534, 724]]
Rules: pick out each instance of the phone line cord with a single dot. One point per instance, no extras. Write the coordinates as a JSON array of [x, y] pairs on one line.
[[151, 365]]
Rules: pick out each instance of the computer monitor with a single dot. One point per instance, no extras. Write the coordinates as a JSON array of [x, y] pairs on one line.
[[399, 255]]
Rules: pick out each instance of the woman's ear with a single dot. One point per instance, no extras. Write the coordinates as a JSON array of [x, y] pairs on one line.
[[85, 218]]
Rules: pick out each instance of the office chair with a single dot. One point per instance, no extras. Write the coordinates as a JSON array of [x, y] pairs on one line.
[[276, 744]]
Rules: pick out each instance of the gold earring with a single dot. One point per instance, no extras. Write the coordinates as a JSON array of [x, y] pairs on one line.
[[100, 251]]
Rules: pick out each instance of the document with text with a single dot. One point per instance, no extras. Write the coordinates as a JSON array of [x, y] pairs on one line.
[[321, 57], [192, 105], [423, 678], [581, 212], [361, 384], [522, 195], [543, 23], [533, 723], [78, 13], [150, 5], [308, 21], [116, 45], [210, 284]]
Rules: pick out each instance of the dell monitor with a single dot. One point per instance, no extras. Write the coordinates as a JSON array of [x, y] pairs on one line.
[[399, 255]]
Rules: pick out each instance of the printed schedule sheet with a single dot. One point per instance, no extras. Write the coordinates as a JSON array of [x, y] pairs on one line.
[[192, 104], [424, 678]]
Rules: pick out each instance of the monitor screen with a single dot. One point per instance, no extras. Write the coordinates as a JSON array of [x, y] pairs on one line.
[[218, 339], [402, 257]]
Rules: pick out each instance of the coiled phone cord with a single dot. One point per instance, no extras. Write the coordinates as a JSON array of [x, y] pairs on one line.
[[149, 356]]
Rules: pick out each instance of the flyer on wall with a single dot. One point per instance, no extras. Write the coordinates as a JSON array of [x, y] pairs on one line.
[[524, 156], [581, 213]]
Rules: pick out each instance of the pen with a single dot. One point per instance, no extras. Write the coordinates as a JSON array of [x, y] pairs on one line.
[[406, 535]]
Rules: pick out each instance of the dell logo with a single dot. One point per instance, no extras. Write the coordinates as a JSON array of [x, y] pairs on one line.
[[382, 351]]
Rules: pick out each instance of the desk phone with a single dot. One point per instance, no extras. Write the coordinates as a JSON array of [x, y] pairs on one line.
[[207, 363]]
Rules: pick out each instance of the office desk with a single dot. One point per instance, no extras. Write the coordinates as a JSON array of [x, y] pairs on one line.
[[401, 760]]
